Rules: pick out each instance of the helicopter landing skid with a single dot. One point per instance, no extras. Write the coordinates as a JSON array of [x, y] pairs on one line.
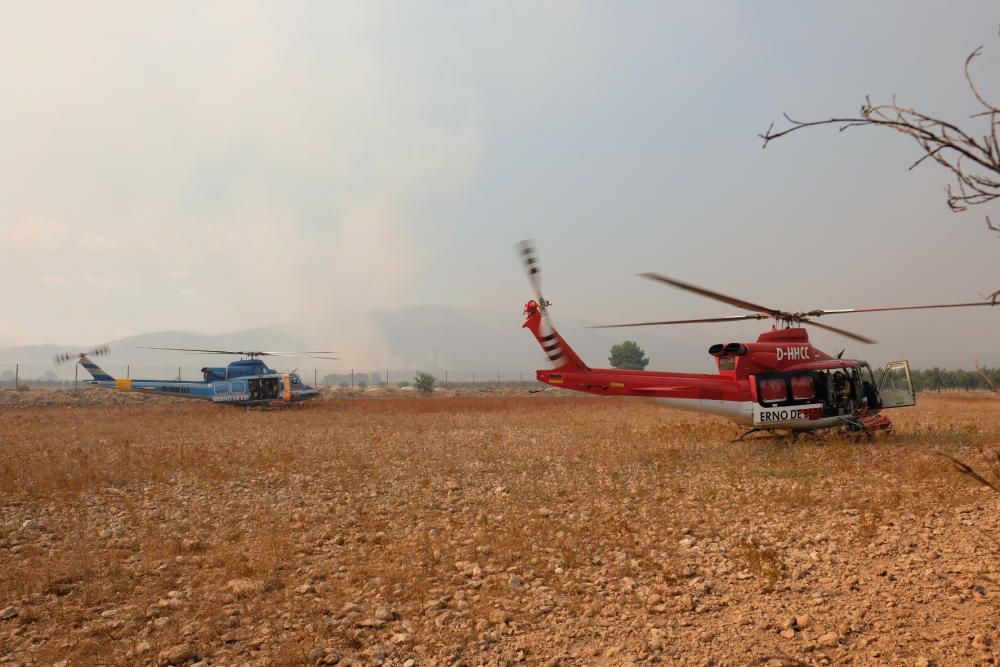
[[773, 434], [276, 404], [856, 428]]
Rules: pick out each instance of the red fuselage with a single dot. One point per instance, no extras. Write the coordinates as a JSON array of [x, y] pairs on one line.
[[732, 392]]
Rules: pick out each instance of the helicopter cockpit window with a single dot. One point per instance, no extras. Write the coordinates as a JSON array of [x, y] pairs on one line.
[[773, 390], [803, 388]]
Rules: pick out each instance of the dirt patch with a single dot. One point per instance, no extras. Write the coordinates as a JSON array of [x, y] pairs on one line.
[[88, 395], [490, 531]]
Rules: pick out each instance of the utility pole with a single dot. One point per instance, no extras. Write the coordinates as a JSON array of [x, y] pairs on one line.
[[387, 377], [178, 373], [446, 379], [128, 371], [17, 376], [352, 379], [315, 383], [76, 374]]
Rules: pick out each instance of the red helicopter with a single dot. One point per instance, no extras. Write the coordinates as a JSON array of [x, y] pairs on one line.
[[779, 383]]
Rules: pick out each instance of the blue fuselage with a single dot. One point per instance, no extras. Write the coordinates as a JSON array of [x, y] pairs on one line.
[[246, 382]]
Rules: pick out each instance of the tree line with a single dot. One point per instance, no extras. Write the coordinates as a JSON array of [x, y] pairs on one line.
[[937, 379]]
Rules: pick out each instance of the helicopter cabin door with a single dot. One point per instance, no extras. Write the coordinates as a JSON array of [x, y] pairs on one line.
[[896, 387]]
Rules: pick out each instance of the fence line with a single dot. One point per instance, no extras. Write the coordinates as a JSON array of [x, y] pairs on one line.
[[14, 374], [71, 375], [68, 375]]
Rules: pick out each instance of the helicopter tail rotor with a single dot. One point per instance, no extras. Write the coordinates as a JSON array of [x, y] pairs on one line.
[[63, 357], [537, 319], [98, 374], [528, 253]]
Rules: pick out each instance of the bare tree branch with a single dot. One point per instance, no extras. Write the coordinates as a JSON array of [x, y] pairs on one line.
[[974, 162], [982, 374], [969, 472]]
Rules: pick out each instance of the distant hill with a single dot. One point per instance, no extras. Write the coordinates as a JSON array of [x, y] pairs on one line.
[[126, 353], [466, 340], [414, 338]]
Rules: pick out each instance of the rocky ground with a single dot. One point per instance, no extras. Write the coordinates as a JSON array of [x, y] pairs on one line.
[[492, 530], [88, 395], [72, 398]]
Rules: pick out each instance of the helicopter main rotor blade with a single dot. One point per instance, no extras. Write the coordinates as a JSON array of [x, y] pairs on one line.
[[301, 355], [842, 332], [732, 301], [192, 349], [301, 352], [728, 318], [247, 353], [842, 311]]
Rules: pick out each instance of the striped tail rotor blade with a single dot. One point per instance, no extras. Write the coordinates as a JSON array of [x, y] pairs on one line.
[[551, 343], [63, 357], [529, 257]]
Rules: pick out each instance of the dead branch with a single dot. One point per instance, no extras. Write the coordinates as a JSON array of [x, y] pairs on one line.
[[994, 297], [982, 374], [969, 472], [973, 162]]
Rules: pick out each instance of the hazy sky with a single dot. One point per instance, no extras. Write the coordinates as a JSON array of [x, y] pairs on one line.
[[217, 166]]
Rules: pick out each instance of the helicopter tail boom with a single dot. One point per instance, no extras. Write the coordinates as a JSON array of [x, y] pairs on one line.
[[95, 371], [562, 356]]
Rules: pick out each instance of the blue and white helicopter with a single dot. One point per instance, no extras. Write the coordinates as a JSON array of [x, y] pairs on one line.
[[248, 381]]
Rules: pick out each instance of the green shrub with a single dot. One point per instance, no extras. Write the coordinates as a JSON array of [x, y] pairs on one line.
[[424, 382]]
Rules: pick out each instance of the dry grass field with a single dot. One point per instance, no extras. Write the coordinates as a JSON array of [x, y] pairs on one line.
[[492, 530]]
